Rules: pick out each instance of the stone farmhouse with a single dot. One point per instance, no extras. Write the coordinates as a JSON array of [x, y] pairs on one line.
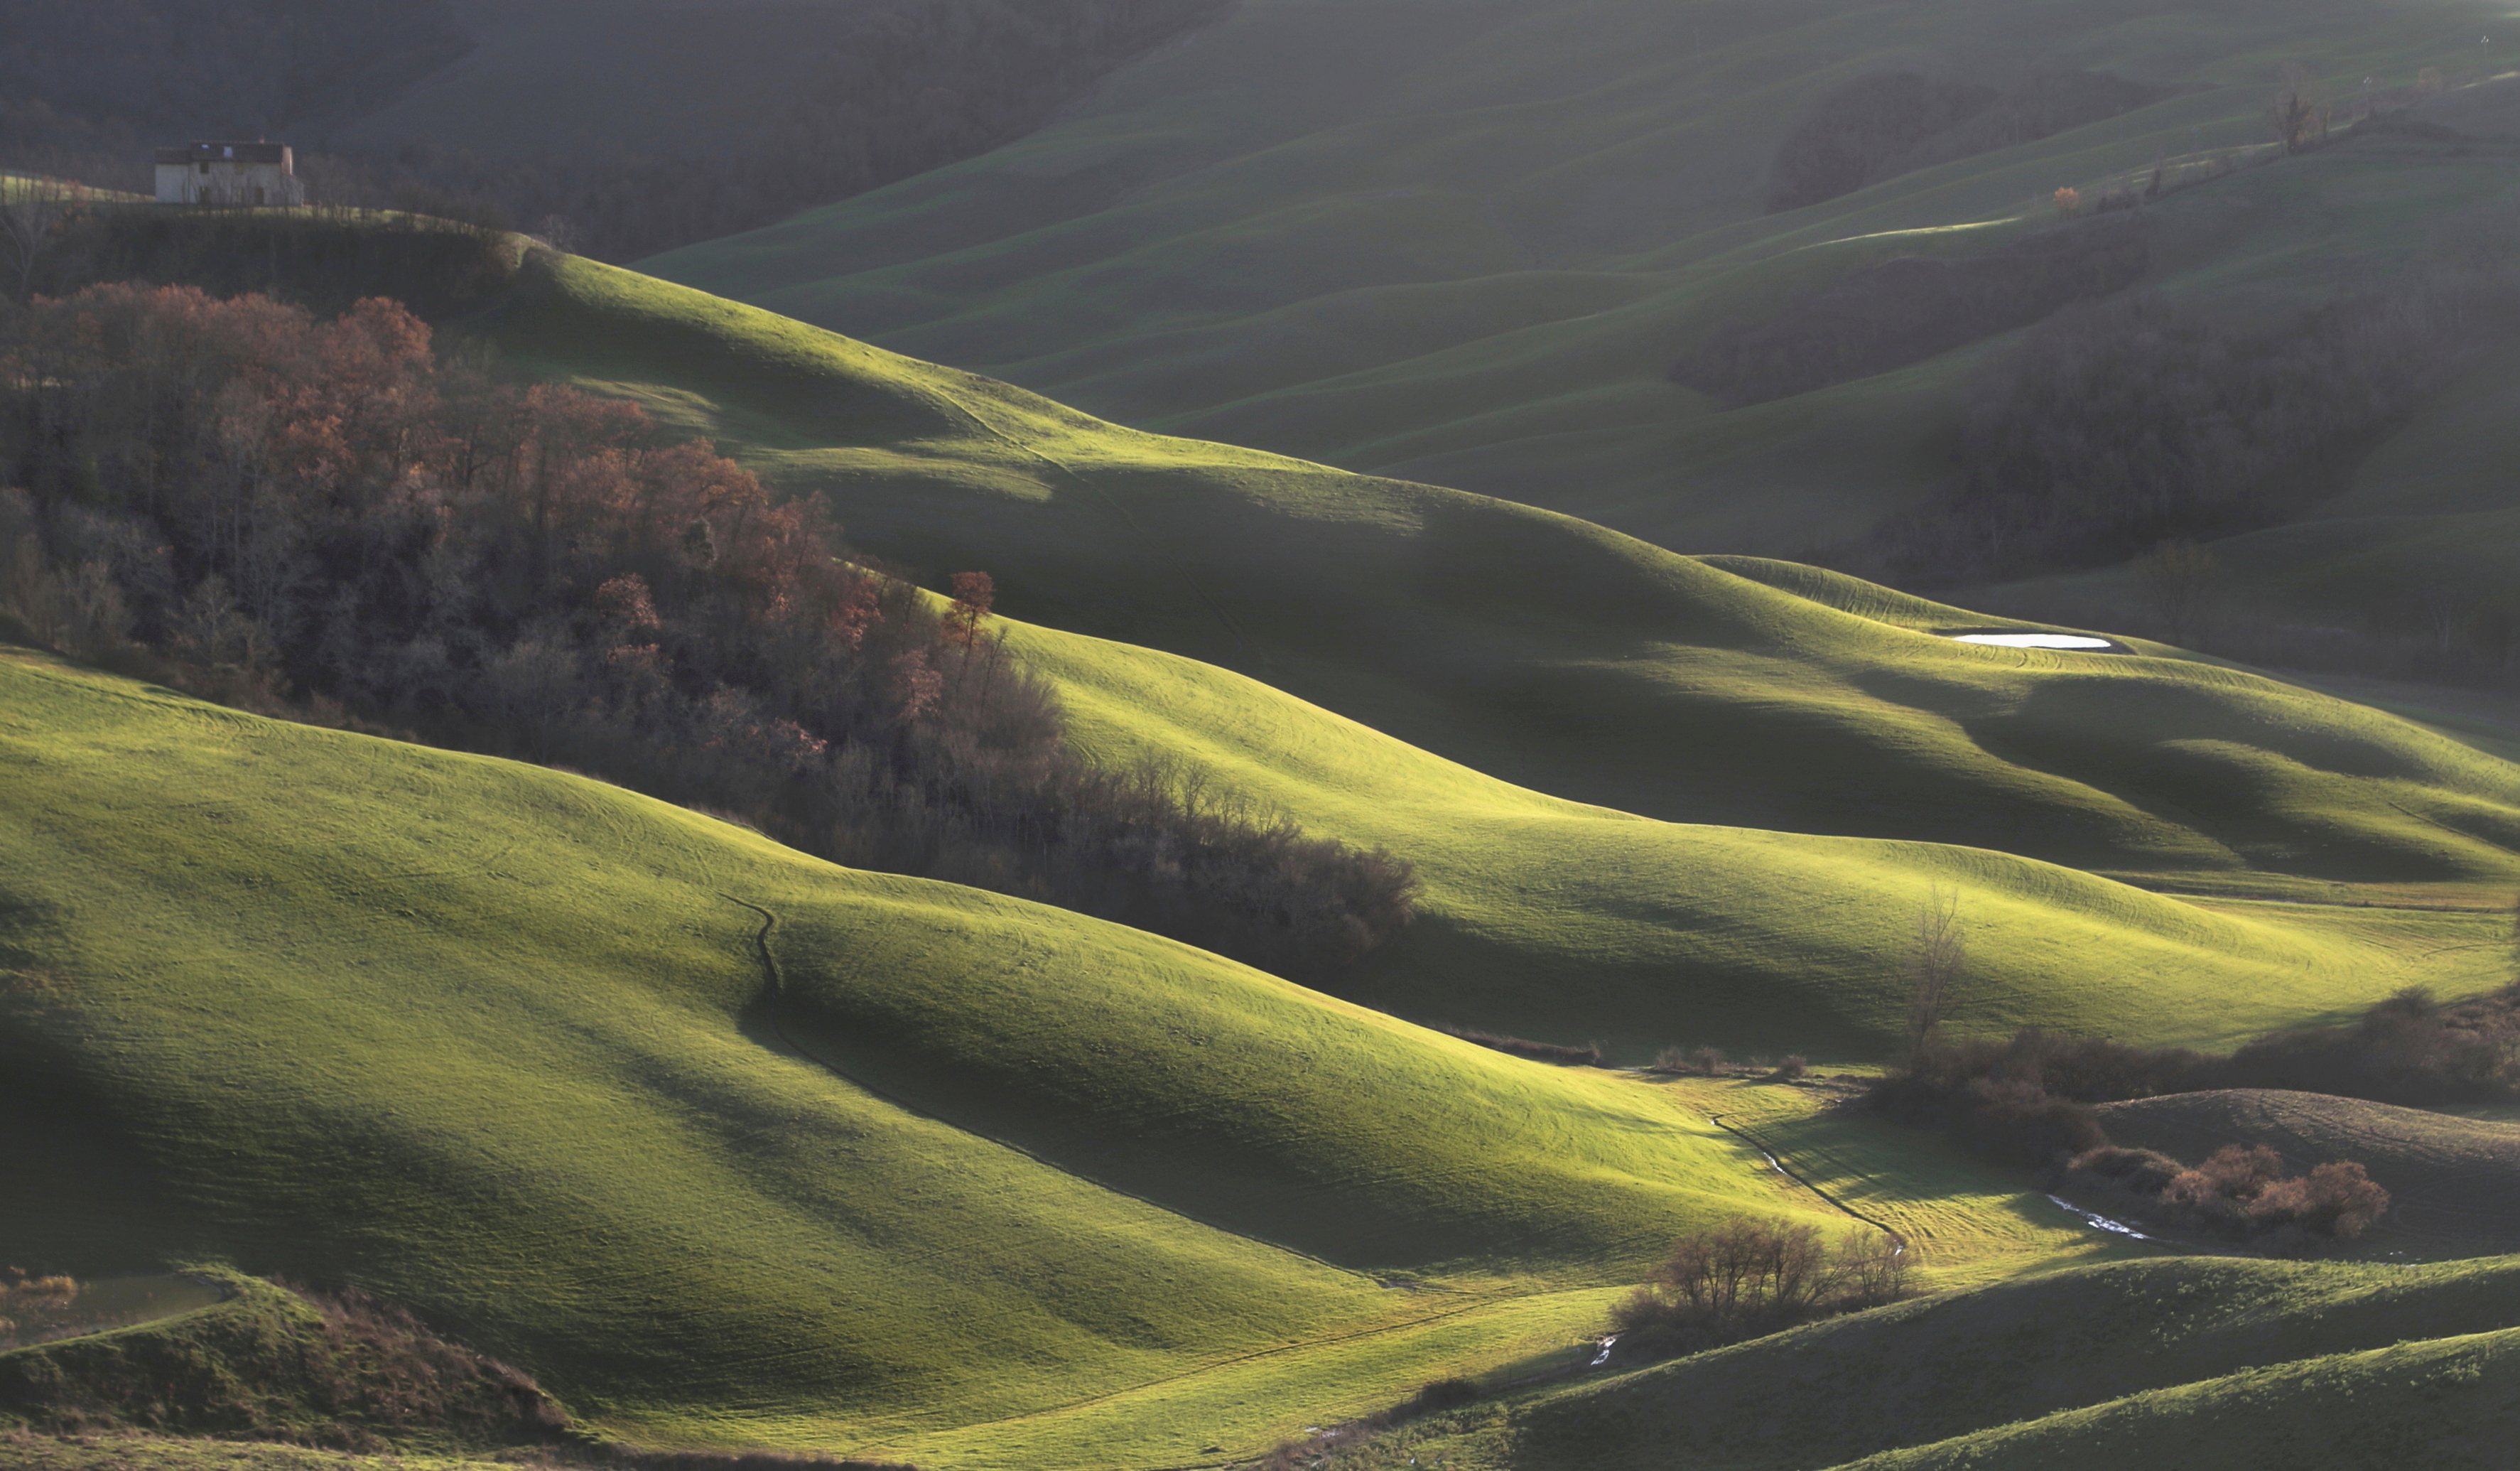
[[229, 174]]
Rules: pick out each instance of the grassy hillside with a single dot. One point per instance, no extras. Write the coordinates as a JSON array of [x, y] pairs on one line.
[[2189, 1361], [726, 1144], [2440, 1402], [1732, 693], [1469, 251], [1541, 649], [2452, 1183]]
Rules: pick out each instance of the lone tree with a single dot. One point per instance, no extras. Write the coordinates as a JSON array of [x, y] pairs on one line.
[[2179, 579], [2299, 114], [1936, 961]]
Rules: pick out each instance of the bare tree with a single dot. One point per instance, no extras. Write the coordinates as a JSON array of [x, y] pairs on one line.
[[2299, 114], [2179, 579], [2444, 606], [31, 214], [1935, 962]]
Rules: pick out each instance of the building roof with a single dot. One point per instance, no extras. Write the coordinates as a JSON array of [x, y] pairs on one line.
[[227, 153]]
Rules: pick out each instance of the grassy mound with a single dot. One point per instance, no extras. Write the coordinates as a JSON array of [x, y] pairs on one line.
[[266, 1363], [556, 1066], [2454, 1183]]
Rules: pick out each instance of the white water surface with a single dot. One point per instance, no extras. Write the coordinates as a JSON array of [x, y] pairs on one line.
[[2034, 640]]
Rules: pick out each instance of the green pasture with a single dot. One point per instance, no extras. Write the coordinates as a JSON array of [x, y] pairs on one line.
[[1968, 1222], [1454, 635], [503, 1044]]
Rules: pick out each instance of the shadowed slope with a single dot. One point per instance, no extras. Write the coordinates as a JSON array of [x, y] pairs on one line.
[[2447, 1402], [1962, 1362], [1464, 242]]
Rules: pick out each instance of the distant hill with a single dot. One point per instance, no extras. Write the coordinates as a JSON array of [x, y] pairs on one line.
[[619, 126], [1477, 252]]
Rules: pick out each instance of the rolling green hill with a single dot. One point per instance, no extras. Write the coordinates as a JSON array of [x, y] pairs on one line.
[[727, 1145], [1544, 650], [1597, 668], [1468, 249]]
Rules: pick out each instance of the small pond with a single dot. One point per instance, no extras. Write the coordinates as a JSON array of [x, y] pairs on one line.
[[2017, 639], [40, 1310]]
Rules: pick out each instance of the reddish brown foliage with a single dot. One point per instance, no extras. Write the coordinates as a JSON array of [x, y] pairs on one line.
[[319, 513], [2239, 1192]]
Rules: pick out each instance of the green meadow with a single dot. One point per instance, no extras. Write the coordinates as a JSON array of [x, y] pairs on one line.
[[732, 1146]]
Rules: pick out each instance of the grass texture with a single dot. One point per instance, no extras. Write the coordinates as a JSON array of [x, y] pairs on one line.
[[727, 1145]]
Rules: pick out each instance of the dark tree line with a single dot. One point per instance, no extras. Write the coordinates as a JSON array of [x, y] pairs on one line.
[[898, 87], [318, 516], [2125, 424]]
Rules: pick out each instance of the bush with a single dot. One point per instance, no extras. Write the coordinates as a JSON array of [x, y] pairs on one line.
[[1747, 1278], [1307, 1452], [1587, 1056], [2240, 1192]]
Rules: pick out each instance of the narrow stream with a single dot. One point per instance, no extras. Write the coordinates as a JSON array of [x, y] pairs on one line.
[[2099, 1222]]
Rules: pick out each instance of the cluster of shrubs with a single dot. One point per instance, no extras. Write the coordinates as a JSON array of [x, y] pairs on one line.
[[2410, 1049], [2128, 423], [2240, 1193], [322, 519], [1587, 1056], [2027, 1099], [26, 1300], [1711, 1062], [337, 1370], [1745, 1277]]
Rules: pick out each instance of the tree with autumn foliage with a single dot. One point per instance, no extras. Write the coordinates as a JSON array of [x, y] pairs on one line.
[[317, 516]]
